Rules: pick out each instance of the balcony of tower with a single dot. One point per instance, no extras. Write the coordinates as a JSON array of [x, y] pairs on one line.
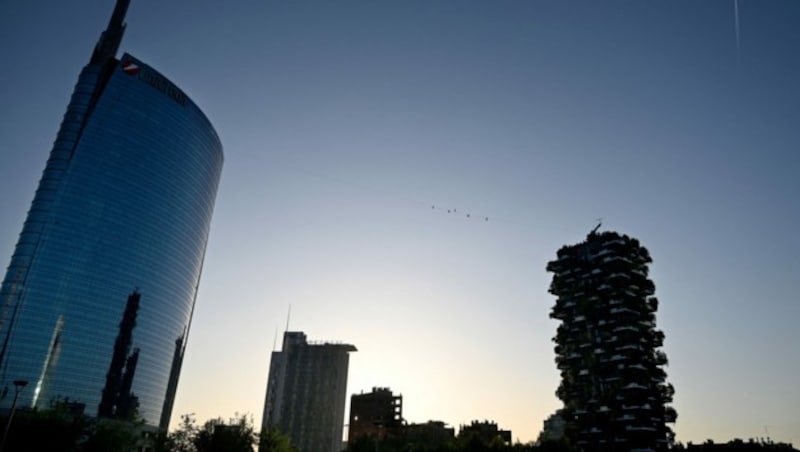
[[629, 347], [625, 310], [647, 323], [601, 252], [633, 386], [658, 379], [624, 328], [617, 275], [615, 241], [617, 258]]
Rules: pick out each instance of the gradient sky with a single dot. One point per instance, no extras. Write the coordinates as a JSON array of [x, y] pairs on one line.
[[344, 122]]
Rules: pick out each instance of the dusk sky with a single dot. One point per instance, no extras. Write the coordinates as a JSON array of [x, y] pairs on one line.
[[345, 122]]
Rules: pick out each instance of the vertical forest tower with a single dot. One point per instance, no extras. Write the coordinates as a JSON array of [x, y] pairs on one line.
[[613, 384]]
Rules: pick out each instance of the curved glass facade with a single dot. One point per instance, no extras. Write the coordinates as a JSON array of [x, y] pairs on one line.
[[123, 208]]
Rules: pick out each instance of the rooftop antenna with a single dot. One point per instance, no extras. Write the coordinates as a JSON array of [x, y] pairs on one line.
[[288, 317], [599, 223]]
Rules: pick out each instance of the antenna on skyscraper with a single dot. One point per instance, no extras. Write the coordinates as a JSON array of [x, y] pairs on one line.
[[288, 316]]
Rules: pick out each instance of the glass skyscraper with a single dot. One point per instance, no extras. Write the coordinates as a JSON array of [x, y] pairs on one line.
[[97, 301]]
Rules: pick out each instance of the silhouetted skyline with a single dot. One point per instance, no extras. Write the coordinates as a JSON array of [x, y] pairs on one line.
[[344, 122]]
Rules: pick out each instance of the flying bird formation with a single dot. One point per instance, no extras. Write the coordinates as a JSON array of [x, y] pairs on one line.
[[455, 211]]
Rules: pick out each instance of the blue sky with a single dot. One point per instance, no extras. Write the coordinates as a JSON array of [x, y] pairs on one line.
[[344, 122]]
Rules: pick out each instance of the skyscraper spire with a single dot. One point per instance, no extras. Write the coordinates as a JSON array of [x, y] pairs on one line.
[[111, 38]]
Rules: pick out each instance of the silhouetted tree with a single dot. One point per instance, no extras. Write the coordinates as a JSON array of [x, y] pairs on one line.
[[112, 435], [45, 430], [272, 440], [238, 435], [560, 445], [181, 439]]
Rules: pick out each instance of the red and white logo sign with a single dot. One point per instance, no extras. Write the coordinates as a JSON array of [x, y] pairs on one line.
[[130, 67]]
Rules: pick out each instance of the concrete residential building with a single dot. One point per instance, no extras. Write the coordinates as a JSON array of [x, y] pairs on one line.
[[375, 414], [552, 428], [306, 392], [613, 384], [98, 297]]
